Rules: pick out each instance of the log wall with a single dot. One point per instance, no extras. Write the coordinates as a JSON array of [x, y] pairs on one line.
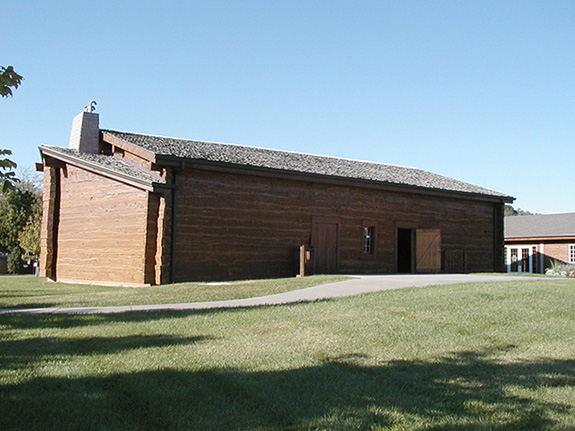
[[161, 227], [103, 231], [231, 226], [50, 205]]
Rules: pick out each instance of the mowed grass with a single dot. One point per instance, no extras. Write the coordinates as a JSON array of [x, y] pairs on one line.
[[486, 356], [31, 292]]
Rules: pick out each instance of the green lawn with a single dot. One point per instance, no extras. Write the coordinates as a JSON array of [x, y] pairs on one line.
[[19, 291], [493, 356]]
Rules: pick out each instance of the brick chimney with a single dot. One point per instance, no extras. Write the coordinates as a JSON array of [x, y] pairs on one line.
[[85, 133]]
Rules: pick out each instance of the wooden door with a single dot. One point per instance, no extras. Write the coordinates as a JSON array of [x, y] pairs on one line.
[[324, 242], [428, 250]]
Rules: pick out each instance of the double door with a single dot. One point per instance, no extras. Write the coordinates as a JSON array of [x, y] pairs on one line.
[[520, 259]]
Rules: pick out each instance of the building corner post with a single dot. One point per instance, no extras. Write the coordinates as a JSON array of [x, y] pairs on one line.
[[49, 224], [499, 237]]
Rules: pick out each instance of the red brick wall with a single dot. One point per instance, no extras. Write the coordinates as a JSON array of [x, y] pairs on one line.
[[552, 250], [557, 251]]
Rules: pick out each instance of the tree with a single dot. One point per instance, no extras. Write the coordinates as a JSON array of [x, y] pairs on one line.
[[16, 208], [8, 79], [20, 215], [29, 237], [7, 174], [509, 211], [15, 265]]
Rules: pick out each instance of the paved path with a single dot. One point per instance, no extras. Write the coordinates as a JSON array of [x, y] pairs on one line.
[[356, 286]]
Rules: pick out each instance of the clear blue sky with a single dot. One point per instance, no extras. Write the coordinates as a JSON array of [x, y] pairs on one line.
[[481, 91]]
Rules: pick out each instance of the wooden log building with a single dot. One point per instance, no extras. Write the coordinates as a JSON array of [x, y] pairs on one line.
[[134, 209]]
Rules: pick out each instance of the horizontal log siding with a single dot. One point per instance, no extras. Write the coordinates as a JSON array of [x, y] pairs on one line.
[[49, 221], [231, 226], [102, 230], [162, 240]]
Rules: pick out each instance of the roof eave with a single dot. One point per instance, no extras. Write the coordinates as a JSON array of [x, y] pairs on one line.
[[105, 171], [127, 146], [329, 179], [541, 238]]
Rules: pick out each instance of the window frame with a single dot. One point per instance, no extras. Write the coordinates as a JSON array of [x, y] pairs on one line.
[[571, 253], [369, 224]]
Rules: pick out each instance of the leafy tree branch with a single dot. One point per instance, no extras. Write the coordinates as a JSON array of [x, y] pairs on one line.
[[7, 174], [8, 79]]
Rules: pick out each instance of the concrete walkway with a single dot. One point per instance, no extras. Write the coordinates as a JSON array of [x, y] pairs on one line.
[[356, 286]]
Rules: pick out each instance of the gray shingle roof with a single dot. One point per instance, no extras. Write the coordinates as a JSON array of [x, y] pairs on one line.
[[114, 164], [300, 162], [544, 225]]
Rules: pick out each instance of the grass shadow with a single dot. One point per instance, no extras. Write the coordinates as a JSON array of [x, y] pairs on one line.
[[463, 391], [19, 353], [65, 321]]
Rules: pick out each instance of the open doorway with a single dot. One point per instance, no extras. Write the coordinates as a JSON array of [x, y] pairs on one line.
[[404, 250]]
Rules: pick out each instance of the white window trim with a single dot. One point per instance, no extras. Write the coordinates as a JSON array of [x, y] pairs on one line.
[[532, 248]]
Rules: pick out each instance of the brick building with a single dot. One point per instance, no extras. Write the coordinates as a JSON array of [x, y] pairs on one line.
[[533, 241]]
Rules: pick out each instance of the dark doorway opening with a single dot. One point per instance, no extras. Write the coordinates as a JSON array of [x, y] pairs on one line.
[[404, 250]]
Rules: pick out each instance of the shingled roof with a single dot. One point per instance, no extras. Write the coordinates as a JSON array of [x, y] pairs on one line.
[[128, 170], [286, 161], [540, 226]]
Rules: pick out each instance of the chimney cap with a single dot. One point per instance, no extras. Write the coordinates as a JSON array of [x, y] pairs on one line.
[[90, 107]]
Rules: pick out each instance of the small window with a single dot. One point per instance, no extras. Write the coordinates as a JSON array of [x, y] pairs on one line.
[[368, 239], [571, 253]]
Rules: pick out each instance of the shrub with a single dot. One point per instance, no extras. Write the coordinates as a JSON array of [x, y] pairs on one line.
[[15, 264], [560, 269]]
